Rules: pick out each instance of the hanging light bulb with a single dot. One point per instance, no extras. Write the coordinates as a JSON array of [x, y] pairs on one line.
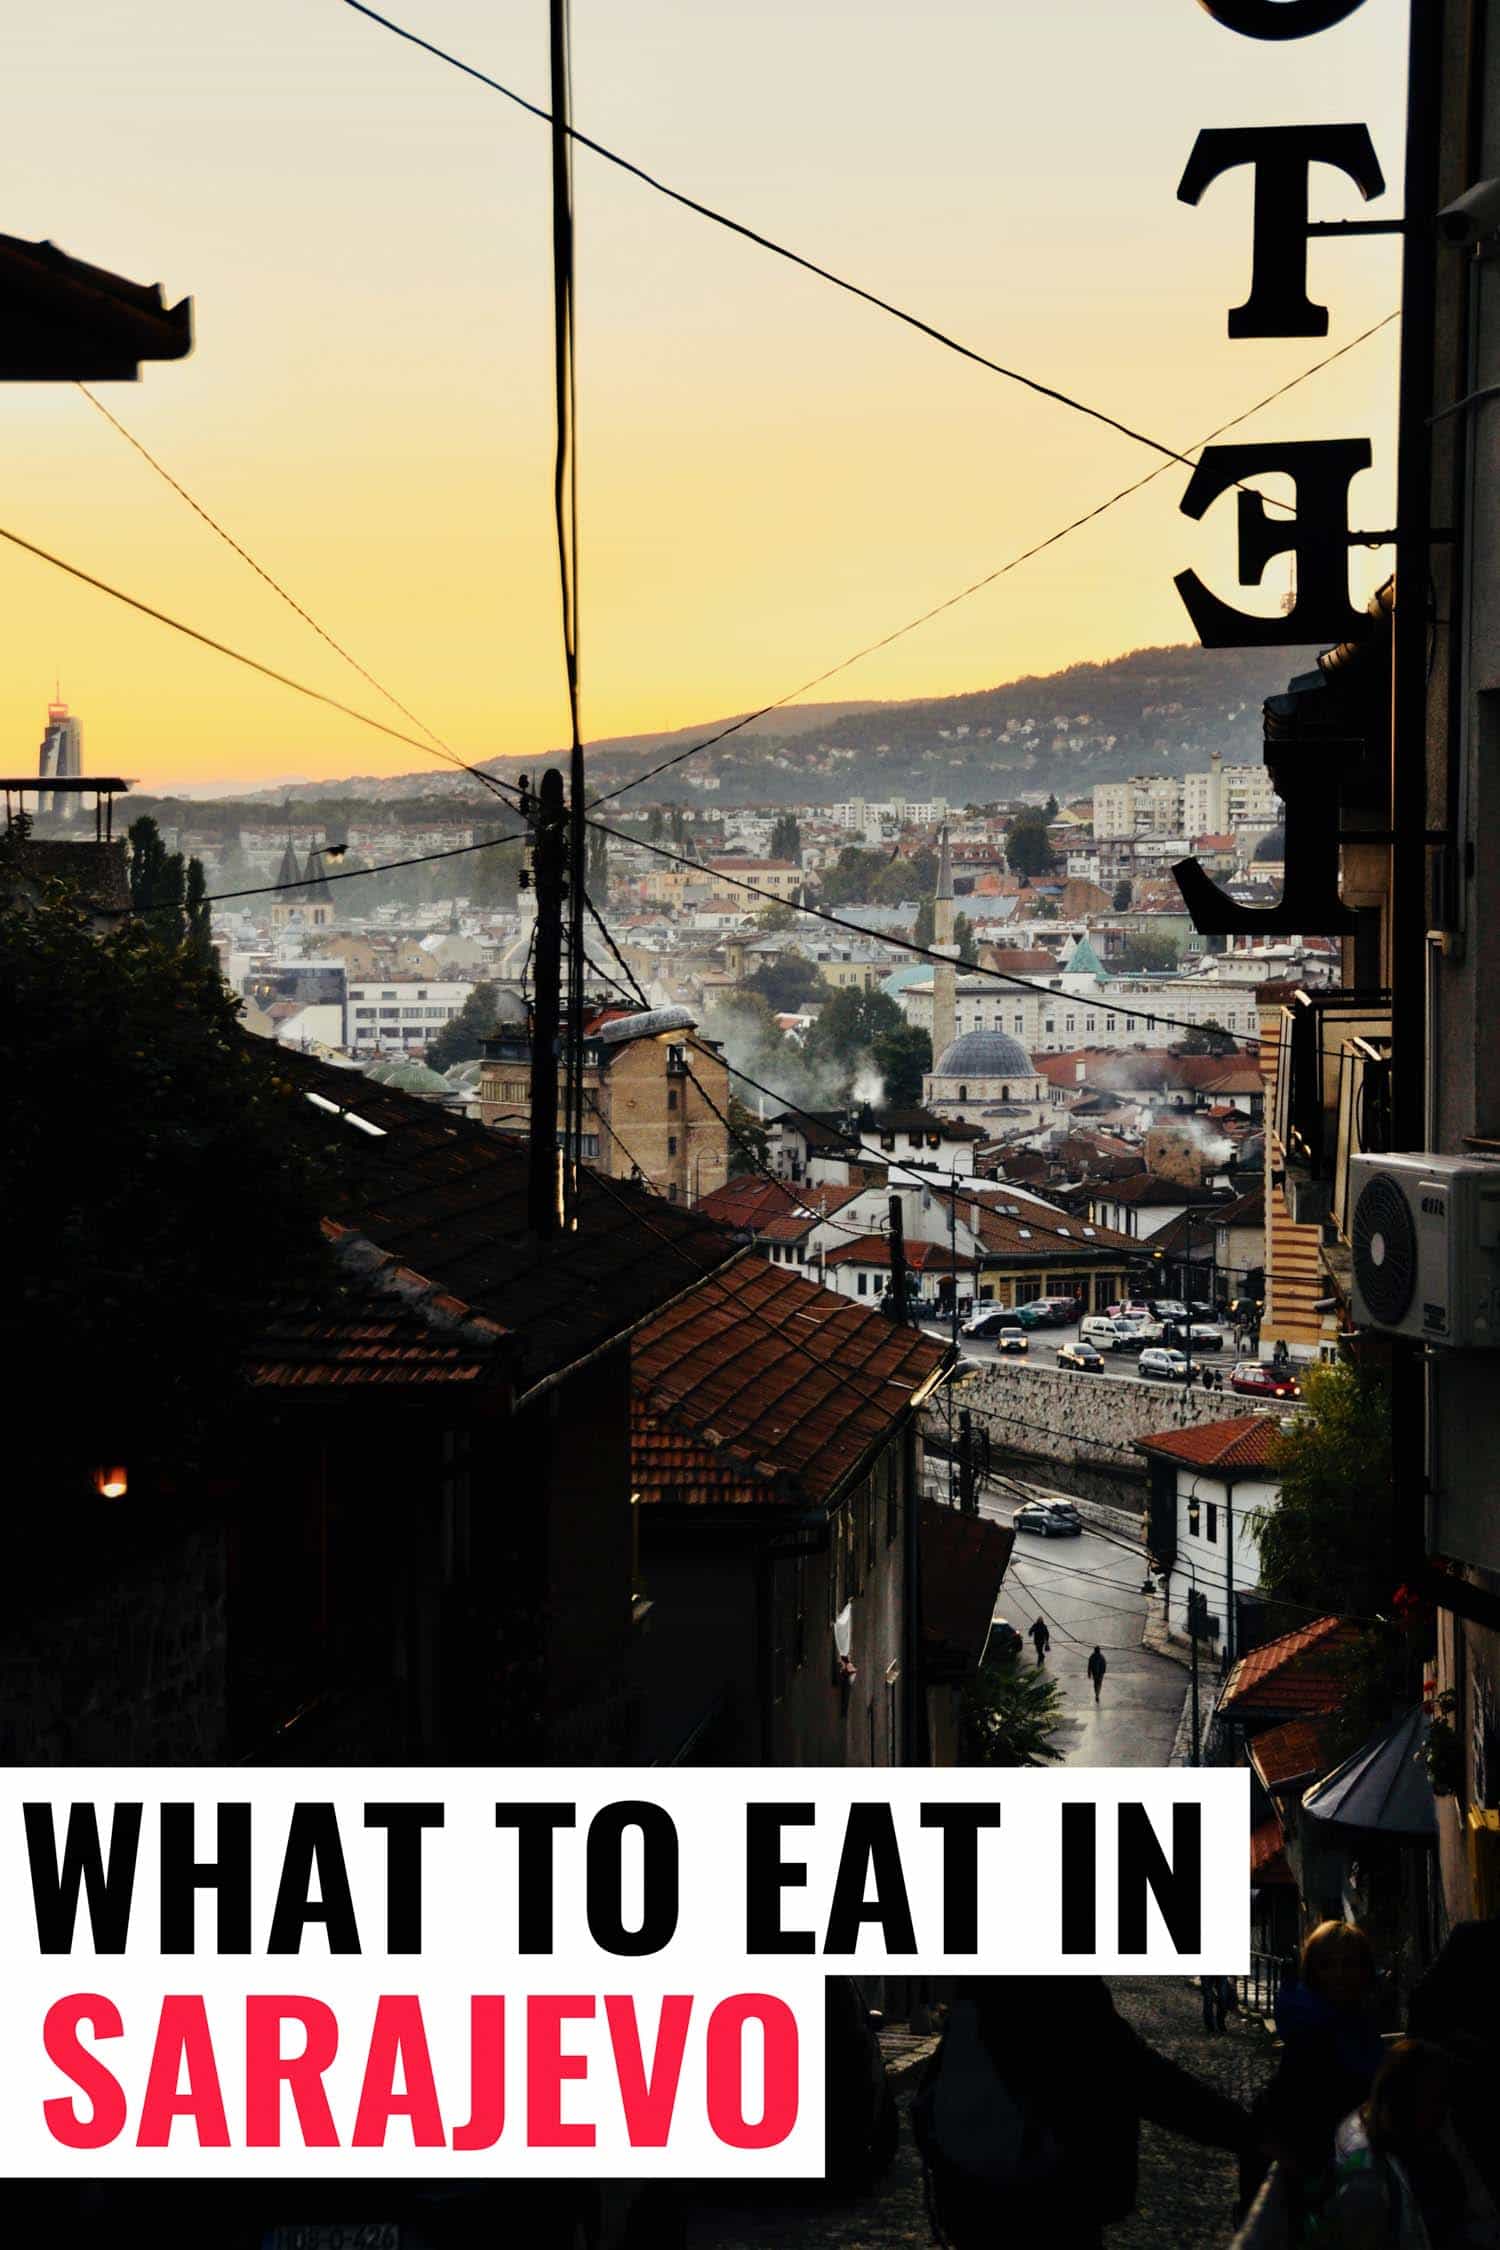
[[111, 1484]]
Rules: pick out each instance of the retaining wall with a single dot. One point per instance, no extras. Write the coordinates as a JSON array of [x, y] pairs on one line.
[[1087, 1423]]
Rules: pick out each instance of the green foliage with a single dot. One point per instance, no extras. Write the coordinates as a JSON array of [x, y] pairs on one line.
[[1207, 1038], [492, 878], [924, 929], [965, 940], [902, 1058], [1011, 1713], [1120, 903], [773, 919], [1027, 851], [461, 1036], [749, 1141], [162, 1186], [848, 1027], [786, 982], [1147, 953], [597, 860], [786, 839], [861, 878], [1049, 810], [1328, 1546]]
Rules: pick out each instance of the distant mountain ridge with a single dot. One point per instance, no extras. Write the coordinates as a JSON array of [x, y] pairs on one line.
[[1153, 710]]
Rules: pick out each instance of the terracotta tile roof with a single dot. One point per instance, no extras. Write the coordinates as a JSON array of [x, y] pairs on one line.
[[1247, 1211], [400, 1330], [875, 1250], [963, 1564], [812, 1203], [1296, 1751], [447, 1199], [1294, 1675], [1244, 1443], [787, 1386], [746, 1204], [1268, 1861]]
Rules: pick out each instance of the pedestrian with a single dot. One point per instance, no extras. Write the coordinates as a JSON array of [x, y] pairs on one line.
[[1096, 1668], [1331, 2050], [1009, 2150], [1041, 1638], [1212, 1991], [1456, 2003], [1399, 2176]]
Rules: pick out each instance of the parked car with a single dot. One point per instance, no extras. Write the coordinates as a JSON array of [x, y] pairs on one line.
[[1170, 1366], [1004, 1639], [1136, 1309], [1256, 1378], [1201, 1309], [1032, 1315], [1011, 1338], [1169, 1308], [985, 1320], [1204, 1337], [1080, 1355], [1100, 1331], [1061, 1312], [1054, 1519]]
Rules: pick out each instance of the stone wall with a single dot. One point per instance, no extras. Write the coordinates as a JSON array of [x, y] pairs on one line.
[[131, 1672], [1087, 1423]]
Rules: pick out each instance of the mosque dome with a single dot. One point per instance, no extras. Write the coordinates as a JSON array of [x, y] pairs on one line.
[[984, 1054]]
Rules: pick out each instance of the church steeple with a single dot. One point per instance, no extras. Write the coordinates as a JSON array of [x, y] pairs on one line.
[[944, 975]]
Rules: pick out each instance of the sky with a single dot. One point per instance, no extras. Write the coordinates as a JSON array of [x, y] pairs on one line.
[[772, 473]]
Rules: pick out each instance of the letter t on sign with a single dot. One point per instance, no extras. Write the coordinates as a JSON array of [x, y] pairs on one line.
[[1318, 535], [1283, 156]]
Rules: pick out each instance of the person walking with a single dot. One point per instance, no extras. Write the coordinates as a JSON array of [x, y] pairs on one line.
[[1041, 1638], [1212, 1990], [1096, 1668]]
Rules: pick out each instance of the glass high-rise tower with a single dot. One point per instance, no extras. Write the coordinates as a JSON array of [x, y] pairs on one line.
[[60, 757]]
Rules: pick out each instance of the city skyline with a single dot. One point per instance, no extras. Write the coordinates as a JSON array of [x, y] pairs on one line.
[[773, 474]]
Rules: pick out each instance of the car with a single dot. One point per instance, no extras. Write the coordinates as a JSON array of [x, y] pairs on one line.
[[1204, 1337], [1201, 1309], [1169, 1308], [986, 1319], [1054, 1519], [1004, 1639], [1134, 1310], [1032, 1315], [1080, 1355], [1256, 1378], [1103, 1333], [1169, 1366], [1061, 1312], [1011, 1338]]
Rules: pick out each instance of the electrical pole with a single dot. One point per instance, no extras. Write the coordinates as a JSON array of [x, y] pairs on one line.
[[898, 1263], [547, 861]]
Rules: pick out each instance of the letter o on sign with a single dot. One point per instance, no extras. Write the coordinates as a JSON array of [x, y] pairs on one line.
[[1279, 19]]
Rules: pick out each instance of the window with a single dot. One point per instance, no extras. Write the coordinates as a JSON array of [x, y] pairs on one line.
[[963, 1093], [590, 1144], [1088, 1023], [1213, 1523], [421, 992], [1195, 1517], [390, 1015], [388, 996], [1068, 1024], [1109, 1023], [671, 1144], [1050, 1024], [364, 1015], [671, 1097], [864, 1285]]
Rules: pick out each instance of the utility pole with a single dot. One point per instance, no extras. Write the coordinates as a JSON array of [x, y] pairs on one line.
[[1196, 1604], [953, 1310], [548, 851], [898, 1263]]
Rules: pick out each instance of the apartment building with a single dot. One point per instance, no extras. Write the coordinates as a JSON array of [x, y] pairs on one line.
[[399, 1011]]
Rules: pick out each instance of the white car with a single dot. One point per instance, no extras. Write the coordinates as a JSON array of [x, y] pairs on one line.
[[1171, 1367]]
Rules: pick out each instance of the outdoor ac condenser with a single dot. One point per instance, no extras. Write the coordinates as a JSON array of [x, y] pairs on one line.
[[1424, 1230]]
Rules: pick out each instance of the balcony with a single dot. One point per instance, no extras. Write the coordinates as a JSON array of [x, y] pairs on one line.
[[1332, 1096]]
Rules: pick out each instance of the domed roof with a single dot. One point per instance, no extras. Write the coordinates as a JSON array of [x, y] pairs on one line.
[[984, 1054]]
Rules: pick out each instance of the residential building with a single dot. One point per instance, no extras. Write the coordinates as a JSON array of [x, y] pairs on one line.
[[1113, 1010], [776, 1456], [400, 1012], [655, 1097], [783, 878], [839, 1150], [1211, 1485]]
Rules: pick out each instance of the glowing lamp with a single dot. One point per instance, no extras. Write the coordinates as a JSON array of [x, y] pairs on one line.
[[111, 1484]]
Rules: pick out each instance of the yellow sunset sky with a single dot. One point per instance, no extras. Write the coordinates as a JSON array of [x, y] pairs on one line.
[[772, 473]]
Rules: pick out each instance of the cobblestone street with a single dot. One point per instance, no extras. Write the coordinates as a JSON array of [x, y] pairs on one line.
[[1186, 2192]]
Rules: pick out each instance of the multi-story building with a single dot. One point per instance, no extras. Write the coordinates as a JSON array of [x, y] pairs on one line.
[[1225, 798], [1059, 1013], [655, 1098], [399, 1012], [60, 758]]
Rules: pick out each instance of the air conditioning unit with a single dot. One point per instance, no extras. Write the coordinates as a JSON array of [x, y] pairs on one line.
[[1424, 1231]]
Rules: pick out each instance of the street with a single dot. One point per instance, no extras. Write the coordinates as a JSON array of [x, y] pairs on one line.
[[1087, 1590], [1042, 1347]]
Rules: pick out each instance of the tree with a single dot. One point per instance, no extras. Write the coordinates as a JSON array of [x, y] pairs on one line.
[[773, 919], [1049, 810], [1208, 1038], [157, 877], [1011, 1715], [462, 1036], [1120, 903], [1328, 1545], [923, 930], [903, 1059], [494, 876], [786, 839], [597, 861], [965, 940], [1147, 952], [785, 982], [162, 1184], [848, 1027], [1027, 851], [749, 1141], [197, 917], [656, 821]]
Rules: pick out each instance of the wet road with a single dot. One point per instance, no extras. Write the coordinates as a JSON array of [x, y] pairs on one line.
[[1088, 1589]]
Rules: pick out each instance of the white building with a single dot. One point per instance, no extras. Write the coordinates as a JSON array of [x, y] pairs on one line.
[[1213, 803], [400, 1012], [1210, 1486], [1062, 1012]]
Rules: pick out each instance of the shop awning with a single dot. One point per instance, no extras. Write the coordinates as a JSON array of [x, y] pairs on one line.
[[1383, 1789]]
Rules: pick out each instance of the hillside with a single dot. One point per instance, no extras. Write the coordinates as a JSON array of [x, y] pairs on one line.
[[1155, 709]]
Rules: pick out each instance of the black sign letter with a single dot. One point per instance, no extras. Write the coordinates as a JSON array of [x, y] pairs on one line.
[[1282, 156], [1318, 535], [1279, 19]]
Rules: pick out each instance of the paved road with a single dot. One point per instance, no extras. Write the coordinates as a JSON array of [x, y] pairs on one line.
[[1087, 1589], [1041, 1351]]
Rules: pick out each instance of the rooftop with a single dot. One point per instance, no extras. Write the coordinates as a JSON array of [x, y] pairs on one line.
[[1293, 1752], [1245, 1444], [759, 1388], [1296, 1675]]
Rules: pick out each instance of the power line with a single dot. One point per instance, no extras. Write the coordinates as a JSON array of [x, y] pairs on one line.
[[766, 242], [246, 557], [978, 585]]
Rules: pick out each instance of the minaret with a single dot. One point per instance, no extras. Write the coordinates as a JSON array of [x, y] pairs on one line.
[[944, 978]]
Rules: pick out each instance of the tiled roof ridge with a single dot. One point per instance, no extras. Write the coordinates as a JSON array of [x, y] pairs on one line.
[[437, 1307]]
